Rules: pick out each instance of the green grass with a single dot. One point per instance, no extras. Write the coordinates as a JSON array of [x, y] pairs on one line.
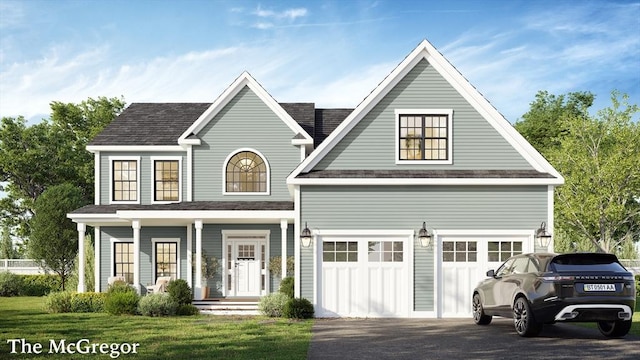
[[190, 337]]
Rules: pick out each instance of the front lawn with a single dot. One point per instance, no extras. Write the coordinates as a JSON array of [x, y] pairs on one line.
[[190, 337]]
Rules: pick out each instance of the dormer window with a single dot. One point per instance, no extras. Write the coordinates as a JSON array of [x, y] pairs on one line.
[[424, 136], [246, 172]]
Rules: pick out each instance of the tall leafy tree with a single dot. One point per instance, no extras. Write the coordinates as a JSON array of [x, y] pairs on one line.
[[34, 158], [6, 244], [54, 237], [542, 125], [598, 208]]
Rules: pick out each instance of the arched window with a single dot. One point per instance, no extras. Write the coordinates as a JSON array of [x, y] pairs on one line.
[[246, 172]]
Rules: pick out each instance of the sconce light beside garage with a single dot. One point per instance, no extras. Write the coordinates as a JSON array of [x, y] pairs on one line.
[[544, 238], [305, 236], [424, 236]]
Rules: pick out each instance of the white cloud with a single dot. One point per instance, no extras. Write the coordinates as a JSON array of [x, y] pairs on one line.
[[290, 14]]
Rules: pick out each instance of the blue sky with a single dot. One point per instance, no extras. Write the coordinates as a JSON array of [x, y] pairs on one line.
[[332, 53]]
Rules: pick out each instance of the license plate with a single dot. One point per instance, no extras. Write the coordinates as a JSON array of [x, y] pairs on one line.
[[599, 287]]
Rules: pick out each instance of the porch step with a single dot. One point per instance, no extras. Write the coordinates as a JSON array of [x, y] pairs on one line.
[[227, 307]]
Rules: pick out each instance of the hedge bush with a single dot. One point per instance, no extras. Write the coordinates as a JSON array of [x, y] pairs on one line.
[[273, 304], [187, 310], [58, 302], [40, 285], [157, 305], [180, 291], [121, 299], [298, 308], [286, 286], [89, 302], [10, 284]]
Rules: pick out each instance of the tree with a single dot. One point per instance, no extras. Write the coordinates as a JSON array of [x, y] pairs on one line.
[[598, 207], [542, 125], [6, 244], [34, 158], [54, 238]]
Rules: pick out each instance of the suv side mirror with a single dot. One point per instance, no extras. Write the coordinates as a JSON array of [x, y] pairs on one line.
[[491, 273]]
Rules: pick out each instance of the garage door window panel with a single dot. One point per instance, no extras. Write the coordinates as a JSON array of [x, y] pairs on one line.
[[340, 251], [459, 251], [502, 250], [386, 251]]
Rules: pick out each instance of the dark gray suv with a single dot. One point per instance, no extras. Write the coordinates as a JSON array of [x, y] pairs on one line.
[[542, 288]]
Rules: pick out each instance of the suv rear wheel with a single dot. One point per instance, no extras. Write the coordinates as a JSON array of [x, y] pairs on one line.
[[614, 328], [523, 319]]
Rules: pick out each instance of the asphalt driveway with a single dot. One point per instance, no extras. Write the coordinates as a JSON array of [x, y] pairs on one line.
[[460, 339]]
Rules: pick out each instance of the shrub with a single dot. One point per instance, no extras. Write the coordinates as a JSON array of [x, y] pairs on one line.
[[298, 308], [10, 284], [40, 285], [286, 286], [87, 302], [157, 305], [120, 287], [272, 305], [121, 299], [180, 291], [187, 310], [58, 302]]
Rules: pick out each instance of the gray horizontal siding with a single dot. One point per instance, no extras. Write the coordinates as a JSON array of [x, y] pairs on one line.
[[146, 173], [406, 207], [245, 122], [371, 143]]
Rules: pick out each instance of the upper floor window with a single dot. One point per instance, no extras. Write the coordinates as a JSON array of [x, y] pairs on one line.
[[424, 136], [166, 183], [125, 180], [246, 172]]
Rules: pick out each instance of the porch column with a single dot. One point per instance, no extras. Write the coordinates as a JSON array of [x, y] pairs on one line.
[[190, 254], [96, 252], [135, 224], [283, 227], [197, 293], [82, 227]]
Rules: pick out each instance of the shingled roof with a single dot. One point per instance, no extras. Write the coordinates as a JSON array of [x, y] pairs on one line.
[[150, 124], [164, 123]]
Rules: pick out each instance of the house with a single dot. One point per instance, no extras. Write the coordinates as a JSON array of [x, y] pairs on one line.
[[403, 202]]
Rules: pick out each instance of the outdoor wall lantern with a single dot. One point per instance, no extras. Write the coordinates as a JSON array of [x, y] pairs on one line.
[[424, 236], [305, 236], [544, 238]]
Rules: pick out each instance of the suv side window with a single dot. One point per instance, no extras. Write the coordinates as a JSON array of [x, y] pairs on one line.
[[521, 266], [505, 269]]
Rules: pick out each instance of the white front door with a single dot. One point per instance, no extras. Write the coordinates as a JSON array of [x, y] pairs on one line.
[[245, 267]]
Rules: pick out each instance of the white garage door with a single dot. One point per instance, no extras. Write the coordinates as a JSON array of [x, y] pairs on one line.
[[364, 277], [465, 261]]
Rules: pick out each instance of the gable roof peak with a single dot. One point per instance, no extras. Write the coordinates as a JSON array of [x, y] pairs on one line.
[[245, 79]]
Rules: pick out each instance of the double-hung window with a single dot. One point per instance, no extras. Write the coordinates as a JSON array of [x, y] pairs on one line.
[[123, 260], [424, 136], [125, 180], [166, 179]]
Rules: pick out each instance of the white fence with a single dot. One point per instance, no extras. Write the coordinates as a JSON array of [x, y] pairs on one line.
[[631, 265], [21, 266]]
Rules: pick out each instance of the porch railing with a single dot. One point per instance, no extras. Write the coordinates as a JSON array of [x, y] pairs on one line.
[[21, 266]]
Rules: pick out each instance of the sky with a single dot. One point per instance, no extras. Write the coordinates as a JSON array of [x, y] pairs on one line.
[[332, 53]]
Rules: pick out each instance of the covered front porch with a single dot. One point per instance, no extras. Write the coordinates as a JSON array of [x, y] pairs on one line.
[[142, 242]]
